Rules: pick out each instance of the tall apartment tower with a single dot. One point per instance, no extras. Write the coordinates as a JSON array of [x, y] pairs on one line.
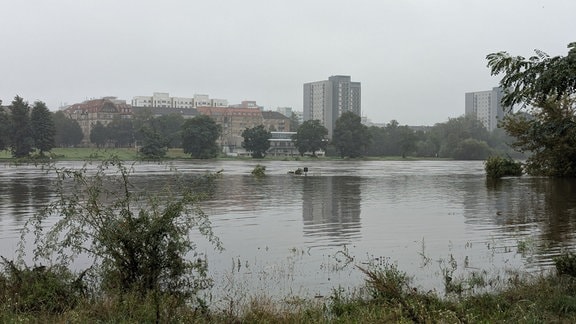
[[327, 100], [486, 107]]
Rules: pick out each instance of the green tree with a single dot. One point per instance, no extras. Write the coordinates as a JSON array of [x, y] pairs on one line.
[[471, 149], [350, 138], [544, 87], [21, 140], [99, 135], [43, 128], [199, 136], [153, 144], [4, 128], [256, 140], [120, 132], [447, 136], [68, 131], [311, 137], [170, 128]]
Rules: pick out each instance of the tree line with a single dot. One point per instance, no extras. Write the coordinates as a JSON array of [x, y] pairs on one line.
[[26, 129]]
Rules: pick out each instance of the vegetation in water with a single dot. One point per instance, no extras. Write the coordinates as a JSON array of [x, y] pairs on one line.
[[259, 170], [497, 167]]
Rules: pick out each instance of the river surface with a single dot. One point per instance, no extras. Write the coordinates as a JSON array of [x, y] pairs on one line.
[[304, 235]]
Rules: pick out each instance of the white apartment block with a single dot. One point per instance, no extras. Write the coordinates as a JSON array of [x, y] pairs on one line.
[[485, 106], [163, 100]]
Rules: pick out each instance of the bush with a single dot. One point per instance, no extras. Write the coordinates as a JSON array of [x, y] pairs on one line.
[[566, 264], [140, 243], [38, 289], [498, 167], [259, 170]]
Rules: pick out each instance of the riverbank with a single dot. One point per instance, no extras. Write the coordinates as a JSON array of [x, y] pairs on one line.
[[131, 154], [386, 297]]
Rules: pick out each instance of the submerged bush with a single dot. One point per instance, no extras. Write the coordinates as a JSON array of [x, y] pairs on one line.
[[498, 167], [259, 170]]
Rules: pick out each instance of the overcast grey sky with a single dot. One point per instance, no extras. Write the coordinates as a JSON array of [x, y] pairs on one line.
[[414, 58]]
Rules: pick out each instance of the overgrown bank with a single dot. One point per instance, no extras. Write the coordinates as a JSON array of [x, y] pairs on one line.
[[53, 295]]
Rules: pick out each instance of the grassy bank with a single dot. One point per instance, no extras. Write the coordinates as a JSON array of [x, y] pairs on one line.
[[386, 297], [130, 154]]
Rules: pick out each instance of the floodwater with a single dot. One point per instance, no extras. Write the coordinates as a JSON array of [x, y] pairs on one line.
[[304, 235]]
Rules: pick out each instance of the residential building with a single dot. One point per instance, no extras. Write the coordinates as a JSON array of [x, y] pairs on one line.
[[485, 106], [275, 121], [163, 100], [327, 100], [233, 121], [90, 112], [158, 111], [286, 111]]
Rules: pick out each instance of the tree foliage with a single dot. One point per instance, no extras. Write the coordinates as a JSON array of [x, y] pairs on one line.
[[545, 87], [68, 131], [99, 135], [43, 127], [21, 140], [350, 137], [311, 137], [199, 136], [153, 144], [4, 129], [120, 132], [256, 140]]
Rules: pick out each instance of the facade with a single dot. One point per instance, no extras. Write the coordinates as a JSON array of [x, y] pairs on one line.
[[281, 144], [90, 112], [485, 106], [275, 121], [233, 121], [327, 100], [158, 112], [163, 100]]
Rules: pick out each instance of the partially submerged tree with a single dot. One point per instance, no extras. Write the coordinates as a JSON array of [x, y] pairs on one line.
[[311, 137], [256, 140], [545, 88]]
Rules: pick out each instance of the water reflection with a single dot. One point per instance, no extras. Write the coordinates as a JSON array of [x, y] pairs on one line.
[[331, 207]]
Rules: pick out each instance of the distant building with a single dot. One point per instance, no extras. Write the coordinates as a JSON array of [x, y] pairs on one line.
[[286, 111], [159, 111], [485, 106], [90, 112], [163, 100], [275, 121], [233, 121], [281, 144], [327, 100]]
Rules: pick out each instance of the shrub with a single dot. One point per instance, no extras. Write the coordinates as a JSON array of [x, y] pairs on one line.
[[259, 170], [566, 264], [38, 289], [498, 167], [140, 243]]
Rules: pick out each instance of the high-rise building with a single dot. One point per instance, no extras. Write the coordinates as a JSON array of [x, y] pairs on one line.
[[327, 100], [486, 107]]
